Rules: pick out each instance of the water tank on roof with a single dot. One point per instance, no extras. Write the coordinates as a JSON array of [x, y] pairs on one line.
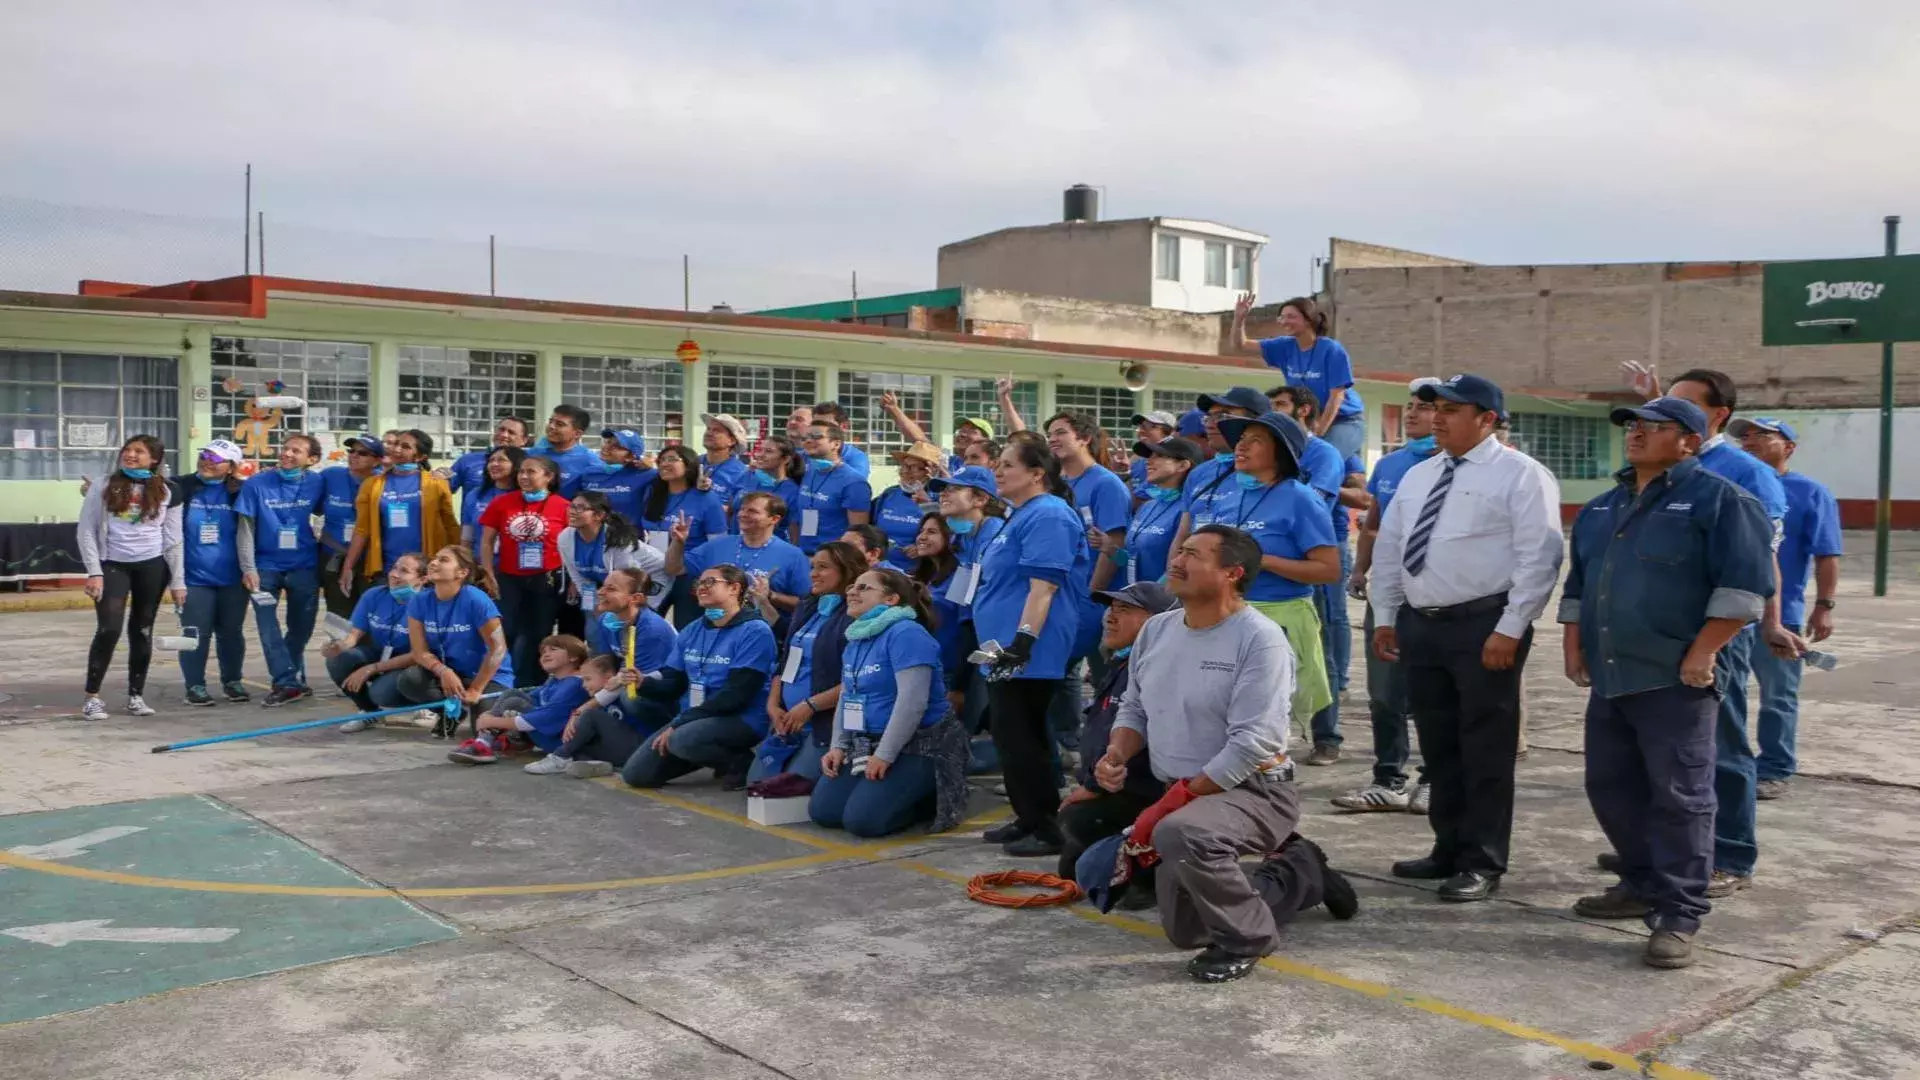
[[1082, 203]]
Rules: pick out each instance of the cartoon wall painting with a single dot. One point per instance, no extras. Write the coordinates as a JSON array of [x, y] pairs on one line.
[[265, 412]]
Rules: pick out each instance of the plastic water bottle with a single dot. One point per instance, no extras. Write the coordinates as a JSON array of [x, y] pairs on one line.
[[1825, 661]]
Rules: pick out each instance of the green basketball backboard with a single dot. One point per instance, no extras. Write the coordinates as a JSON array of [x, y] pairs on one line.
[[1837, 301]]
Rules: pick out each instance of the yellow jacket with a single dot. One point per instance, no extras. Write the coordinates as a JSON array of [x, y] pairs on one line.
[[438, 525]]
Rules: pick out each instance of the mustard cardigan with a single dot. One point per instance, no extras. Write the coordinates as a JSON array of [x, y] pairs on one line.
[[438, 526]]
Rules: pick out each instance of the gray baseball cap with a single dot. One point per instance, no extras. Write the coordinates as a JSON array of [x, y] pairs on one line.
[[1150, 596]]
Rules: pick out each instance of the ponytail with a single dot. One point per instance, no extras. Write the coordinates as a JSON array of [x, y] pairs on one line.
[[911, 593], [478, 576]]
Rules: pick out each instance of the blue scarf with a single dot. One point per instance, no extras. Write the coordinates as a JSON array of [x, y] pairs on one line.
[[877, 619], [1423, 445], [828, 604], [136, 474], [1162, 494]]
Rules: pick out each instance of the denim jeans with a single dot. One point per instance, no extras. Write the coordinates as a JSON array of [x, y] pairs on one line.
[[869, 808], [1347, 435], [714, 742], [1387, 703], [1735, 846], [1336, 638], [348, 661], [219, 613], [299, 592], [1779, 721]]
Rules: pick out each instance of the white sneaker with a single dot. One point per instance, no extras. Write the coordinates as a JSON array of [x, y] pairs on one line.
[[352, 726], [587, 770], [427, 718], [551, 765], [1374, 797], [137, 706], [1422, 799], [95, 709]]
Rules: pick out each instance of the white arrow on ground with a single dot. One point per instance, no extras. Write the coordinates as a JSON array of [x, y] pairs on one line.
[[57, 934], [75, 846]]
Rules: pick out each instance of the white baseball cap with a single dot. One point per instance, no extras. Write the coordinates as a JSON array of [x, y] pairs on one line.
[[225, 450]]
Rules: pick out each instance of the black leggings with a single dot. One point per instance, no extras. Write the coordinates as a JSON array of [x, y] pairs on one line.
[[131, 595], [529, 603], [1017, 715]]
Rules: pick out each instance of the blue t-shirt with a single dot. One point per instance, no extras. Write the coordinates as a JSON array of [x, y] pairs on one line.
[[1211, 494], [1287, 519], [1812, 529], [708, 654], [383, 619], [1757, 477], [1389, 471], [339, 489], [792, 691], [706, 517], [868, 669], [1137, 484], [856, 459], [282, 511], [624, 487], [210, 532], [829, 493], [454, 630], [399, 511], [1101, 499], [726, 478], [1322, 369], [477, 506], [1342, 520], [1043, 539], [553, 705], [575, 464], [466, 476], [898, 516], [786, 566], [653, 641], [968, 550], [948, 616], [590, 557], [1322, 469], [1150, 540], [782, 488]]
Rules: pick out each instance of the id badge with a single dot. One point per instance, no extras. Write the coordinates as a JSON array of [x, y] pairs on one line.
[[792, 670], [696, 694], [1086, 516], [1133, 571], [289, 539], [398, 516], [809, 523], [960, 590], [210, 532], [853, 714], [386, 654], [532, 556], [589, 598], [658, 539]]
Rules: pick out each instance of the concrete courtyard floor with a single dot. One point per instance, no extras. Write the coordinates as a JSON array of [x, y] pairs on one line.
[[318, 904]]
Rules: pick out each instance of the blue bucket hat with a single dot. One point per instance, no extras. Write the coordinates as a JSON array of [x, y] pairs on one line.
[[978, 477], [1102, 871], [1292, 437]]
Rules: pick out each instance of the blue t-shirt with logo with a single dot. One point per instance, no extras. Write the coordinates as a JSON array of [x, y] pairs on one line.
[[383, 619], [453, 630], [786, 566], [898, 515], [1322, 369], [868, 670], [1150, 540], [968, 549], [830, 494], [1287, 519], [1322, 469], [706, 518], [282, 511], [210, 531], [339, 489], [478, 506], [399, 512], [708, 654], [726, 478], [1211, 494], [466, 476], [793, 691], [781, 488], [1811, 530], [575, 464], [624, 487], [1043, 539], [1390, 470], [653, 641], [1757, 477]]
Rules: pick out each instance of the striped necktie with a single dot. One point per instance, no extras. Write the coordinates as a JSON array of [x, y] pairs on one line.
[[1415, 559]]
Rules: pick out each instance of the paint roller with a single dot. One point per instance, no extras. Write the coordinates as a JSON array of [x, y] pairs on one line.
[[187, 640], [281, 401]]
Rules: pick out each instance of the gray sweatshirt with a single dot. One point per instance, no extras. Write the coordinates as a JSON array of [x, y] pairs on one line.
[[1211, 701]]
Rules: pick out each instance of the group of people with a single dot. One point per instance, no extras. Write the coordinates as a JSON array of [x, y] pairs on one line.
[[756, 608]]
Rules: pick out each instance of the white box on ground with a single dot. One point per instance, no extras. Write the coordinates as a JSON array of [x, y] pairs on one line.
[[789, 811]]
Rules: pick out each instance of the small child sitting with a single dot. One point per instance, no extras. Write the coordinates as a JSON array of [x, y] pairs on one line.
[[540, 714], [599, 731]]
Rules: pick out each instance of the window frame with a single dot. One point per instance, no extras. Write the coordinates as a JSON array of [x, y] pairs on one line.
[[517, 394], [584, 381], [1166, 256], [159, 375], [1214, 251]]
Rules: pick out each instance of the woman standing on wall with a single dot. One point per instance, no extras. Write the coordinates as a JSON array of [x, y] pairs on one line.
[[1310, 358], [129, 540]]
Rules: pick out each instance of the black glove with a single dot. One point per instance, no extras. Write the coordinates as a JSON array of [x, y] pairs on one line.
[[1013, 658]]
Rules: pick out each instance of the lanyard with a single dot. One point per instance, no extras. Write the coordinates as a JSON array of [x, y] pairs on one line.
[[861, 661], [1140, 519], [1262, 501], [442, 610], [742, 560]]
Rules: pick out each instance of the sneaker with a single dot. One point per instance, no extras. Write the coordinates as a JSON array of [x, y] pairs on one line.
[[1618, 902], [197, 695], [353, 726], [1325, 753], [94, 709], [235, 692], [1771, 789], [280, 695], [137, 706], [1214, 964], [427, 718], [1422, 800], [1725, 883], [473, 752], [551, 765], [1374, 797], [1669, 949], [1342, 901], [587, 770]]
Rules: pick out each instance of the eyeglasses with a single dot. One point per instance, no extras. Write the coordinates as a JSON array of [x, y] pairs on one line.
[[708, 582], [358, 452], [1651, 427]]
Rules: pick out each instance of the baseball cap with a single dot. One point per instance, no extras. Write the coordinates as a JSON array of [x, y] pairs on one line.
[[1291, 435], [1772, 425], [734, 427], [1178, 449], [1158, 418], [1666, 410], [1240, 397], [1102, 869], [1413, 387], [225, 450], [628, 438], [978, 477], [1193, 424], [976, 422], [1468, 389], [1149, 596], [368, 443]]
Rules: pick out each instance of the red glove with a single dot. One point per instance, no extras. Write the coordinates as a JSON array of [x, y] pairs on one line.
[[1177, 796]]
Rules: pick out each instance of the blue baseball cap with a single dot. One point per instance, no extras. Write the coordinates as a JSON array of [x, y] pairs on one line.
[[978, 477], [1670, 410], [1292, 437], [1240, 397], [1468, 389], [1101, 870], [1193, 424], [1772, 425], [627, 438], [371, 444]]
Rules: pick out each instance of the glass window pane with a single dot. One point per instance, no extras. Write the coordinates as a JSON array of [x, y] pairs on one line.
[[871, 428], [1216, 263], [1110, 406], [760, 395], [977, 397], [1573, 447], [330, 376], [624, 391], [92, 370]]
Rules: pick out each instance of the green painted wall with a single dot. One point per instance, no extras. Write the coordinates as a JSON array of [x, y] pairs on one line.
[[896, 304]]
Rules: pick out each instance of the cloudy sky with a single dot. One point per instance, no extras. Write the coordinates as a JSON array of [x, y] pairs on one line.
[[784, 145]]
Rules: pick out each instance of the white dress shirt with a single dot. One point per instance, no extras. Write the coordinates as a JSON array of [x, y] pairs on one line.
[[1498, 531]]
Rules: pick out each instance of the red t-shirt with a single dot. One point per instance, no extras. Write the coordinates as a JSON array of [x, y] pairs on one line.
[[533, 526]]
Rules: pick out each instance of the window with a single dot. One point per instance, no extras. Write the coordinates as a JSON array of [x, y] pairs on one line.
[[1216, 263], [1176, 402], [623, 391], [977, 397], [1110, 406], [760, 395], [68, 412], [1166, 257], [330, 376], [1393, 428], [1573, 447], [872, 429], [455, 395], [1242, 268]]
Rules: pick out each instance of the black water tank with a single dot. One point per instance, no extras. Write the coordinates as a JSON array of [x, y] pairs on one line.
[[1082, 203]]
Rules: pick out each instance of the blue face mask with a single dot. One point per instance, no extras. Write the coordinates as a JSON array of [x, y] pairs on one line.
[[1248, 481], [535, 496], [1224, 457], [715, 615], [411, 466], [1163, 494], [766, 478], [820, 464], [136, 474], [829, 603], [291, 474], [873, 613], [959, 526], [1121, 654], [403, 593], [1422, 445], [612, 621]]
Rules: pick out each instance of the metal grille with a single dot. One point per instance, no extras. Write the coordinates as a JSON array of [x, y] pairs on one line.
[[67, 413], [455, 395], [977, 397], [647, 395], [1110, 406], [1573, 447], [1176, 402], [333, 377], [760, 395], [872, 428]]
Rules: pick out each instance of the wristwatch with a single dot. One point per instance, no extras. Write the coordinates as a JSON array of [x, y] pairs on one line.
[[1824, 602]]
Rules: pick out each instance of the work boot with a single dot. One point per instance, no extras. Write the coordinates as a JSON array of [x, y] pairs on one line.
[[1669, 949], [1005, 834], [1771, 789], [1045, 841], [1618, 902], [1725, 883], [1325, 753]]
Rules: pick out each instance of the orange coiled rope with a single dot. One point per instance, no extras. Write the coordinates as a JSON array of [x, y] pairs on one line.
[[982, 888]]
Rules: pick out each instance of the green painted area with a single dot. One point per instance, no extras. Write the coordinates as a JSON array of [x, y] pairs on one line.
[[183, 837], [896, 304], [1841, 301]]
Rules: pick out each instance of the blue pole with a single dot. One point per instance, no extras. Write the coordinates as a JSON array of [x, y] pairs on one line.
[[449, 705]]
